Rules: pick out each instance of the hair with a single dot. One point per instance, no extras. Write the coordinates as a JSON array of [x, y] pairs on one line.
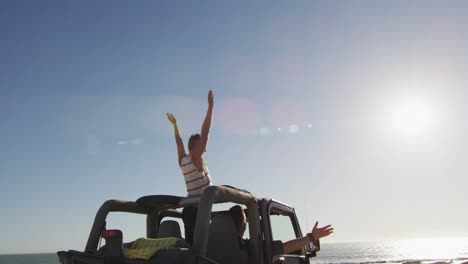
[[193, 138], [238, 215]]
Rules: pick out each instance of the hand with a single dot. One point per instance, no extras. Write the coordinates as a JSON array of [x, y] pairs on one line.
[[210, 98], [171, 118], [318, 233]]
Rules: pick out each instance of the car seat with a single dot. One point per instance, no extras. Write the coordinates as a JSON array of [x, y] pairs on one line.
[[224, 244], [169, 228]]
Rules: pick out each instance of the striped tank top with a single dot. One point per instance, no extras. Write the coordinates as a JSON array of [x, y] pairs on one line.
[[195, 181]]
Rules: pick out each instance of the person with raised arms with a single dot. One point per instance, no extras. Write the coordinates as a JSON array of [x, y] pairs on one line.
[[193, 165]]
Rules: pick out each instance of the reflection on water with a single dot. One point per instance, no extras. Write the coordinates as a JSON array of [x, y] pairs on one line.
[[441, 249], [454, 250]]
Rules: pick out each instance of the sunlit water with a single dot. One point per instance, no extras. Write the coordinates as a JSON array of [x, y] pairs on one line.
[[422, 251], [405, 251]]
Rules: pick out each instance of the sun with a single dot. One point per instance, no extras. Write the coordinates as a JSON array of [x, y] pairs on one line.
[[413, 117]]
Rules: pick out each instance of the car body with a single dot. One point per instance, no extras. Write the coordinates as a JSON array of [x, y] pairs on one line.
[[211, 244]]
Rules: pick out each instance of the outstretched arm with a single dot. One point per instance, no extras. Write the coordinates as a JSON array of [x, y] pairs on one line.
[[206, 124], [298, 243], [178, 139]]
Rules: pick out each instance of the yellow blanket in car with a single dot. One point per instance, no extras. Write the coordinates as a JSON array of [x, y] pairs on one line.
[[145, 248]]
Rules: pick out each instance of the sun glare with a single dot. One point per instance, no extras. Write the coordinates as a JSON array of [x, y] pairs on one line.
[[413, 117], [442, 248]]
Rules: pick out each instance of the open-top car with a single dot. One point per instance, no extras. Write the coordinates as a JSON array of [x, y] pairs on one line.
[[215, 238]]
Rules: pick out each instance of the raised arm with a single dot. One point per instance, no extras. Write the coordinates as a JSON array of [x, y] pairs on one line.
[[205, 132], [180, 144], [298, 243]]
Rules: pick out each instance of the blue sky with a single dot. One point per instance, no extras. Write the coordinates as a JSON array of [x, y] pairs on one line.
[[354, 112]]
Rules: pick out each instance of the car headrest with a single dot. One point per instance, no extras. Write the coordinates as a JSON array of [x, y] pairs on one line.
[[169, 228]]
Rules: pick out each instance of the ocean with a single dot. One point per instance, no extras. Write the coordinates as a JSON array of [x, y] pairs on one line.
[[421, 251], [45, 258], [405, 251]]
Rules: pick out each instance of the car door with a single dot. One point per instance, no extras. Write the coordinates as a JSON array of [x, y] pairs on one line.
[[280, 225]]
